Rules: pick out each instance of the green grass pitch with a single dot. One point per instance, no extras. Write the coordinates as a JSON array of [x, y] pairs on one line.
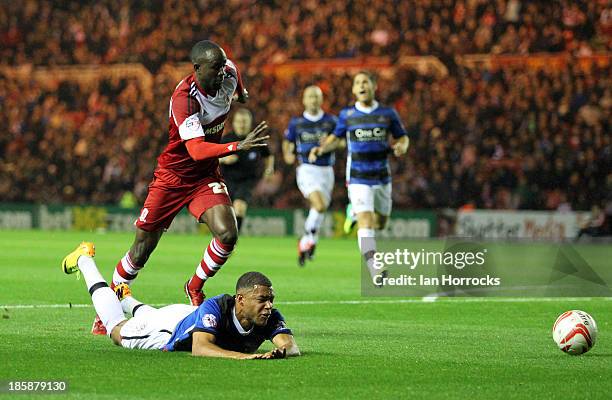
[[380, 349]]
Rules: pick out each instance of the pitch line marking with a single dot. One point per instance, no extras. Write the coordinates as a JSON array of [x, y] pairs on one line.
[[359, 302]]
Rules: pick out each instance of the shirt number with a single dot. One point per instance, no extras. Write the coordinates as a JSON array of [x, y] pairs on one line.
[[218, 187]]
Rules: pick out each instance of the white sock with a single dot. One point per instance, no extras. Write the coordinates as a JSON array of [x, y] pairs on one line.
[[367, 246], [313, 223], [118, 279], [90, 272], [367, 240], [305, 242], [104, 299], [128, 267]]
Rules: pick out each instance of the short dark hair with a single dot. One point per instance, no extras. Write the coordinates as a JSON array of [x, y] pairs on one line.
[[250, 279], [367, 73], [199, 50]]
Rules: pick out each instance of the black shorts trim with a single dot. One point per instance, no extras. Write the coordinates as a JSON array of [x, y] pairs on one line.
[[136, 308], [134, 337], [97, 286], [145, 336]]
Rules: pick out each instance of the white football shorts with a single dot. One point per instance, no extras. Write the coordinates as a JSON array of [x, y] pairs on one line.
[[375, 198], [151, 330], [312, 178]]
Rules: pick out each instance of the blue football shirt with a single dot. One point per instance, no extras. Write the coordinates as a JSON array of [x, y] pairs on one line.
[[306, 132], [367, 132], [216, 316]]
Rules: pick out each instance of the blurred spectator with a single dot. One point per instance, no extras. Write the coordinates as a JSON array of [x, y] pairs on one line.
[[486, 138], [155, 31], [595, 225]]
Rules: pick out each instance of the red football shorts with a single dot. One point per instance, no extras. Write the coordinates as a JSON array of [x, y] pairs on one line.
[[168, 195]]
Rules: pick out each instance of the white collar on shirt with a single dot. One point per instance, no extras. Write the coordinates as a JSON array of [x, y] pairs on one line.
[[315, 117], [366, 109], [239, 327]]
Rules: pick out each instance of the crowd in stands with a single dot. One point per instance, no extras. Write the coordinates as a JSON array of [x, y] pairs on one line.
[[489, 138], [256, 32]]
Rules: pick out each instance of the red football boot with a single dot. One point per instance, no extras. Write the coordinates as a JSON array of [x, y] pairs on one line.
[[196, 297], [98, 328]]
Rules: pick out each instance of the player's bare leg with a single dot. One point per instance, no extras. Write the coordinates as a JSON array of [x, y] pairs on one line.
[[240, 207], [380, 221], [308, 241], [135, 259], [317, 201], [221, 221]]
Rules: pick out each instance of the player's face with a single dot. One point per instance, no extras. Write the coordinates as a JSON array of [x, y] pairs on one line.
[[258, 304], [242, 123], [363, 88], [312, 99], [210, 71]]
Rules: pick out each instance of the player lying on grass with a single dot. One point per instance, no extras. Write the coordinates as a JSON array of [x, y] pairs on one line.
[[223, 326]]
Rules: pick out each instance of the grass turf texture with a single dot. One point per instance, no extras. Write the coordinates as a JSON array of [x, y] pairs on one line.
[[444, 349]]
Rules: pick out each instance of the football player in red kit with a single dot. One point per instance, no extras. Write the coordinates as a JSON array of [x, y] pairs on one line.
[[187, 172]]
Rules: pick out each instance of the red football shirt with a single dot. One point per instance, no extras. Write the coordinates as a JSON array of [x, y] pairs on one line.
[[194, 113]]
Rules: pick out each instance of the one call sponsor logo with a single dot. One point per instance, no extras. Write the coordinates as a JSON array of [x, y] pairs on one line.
[[363, 134], [311, 137]]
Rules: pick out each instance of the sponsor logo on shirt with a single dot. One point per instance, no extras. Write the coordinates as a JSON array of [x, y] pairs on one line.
[[370, 134], [214, 129], [312, 137]]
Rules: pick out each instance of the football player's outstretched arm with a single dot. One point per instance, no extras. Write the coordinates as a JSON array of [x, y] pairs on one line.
[[255, 138], [199, 149], [284, 341], [203, 345]]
